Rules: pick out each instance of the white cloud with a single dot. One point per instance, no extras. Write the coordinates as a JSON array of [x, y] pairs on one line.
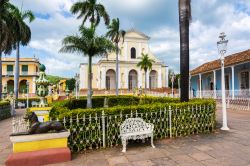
[[209, 19]]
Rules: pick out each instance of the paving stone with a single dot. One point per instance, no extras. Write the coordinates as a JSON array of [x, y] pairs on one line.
[[117, 160], [213, 162], [203, 148], [147, 155], [164, 162], [182, 159], [200, 156], [143, 163], [97, 162]]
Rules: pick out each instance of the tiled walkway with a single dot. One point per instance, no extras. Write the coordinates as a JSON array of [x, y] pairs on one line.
[[220, 148], [5, 131]]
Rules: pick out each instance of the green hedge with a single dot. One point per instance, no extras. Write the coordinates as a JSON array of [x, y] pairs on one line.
[[5, 110], [85, 125], [141, 108], [98, 102]]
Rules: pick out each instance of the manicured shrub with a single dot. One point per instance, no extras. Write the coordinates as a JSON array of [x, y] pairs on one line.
[[5, 110]]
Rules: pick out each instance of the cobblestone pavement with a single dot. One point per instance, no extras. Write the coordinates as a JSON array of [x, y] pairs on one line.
[[5, 131], [221, 148]]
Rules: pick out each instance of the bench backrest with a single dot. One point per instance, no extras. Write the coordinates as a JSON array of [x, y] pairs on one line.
[[131, 125], [20, 104]]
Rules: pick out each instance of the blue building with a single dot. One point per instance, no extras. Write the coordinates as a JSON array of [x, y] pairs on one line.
[[205, 80]]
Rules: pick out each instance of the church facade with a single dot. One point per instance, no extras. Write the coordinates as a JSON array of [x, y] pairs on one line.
[[130, 76]]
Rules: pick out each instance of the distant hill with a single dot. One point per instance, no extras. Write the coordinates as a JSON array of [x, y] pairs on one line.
[[54, 79]]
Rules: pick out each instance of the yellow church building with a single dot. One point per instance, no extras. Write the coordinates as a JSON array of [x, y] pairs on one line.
[[29, 71], [130, 76]]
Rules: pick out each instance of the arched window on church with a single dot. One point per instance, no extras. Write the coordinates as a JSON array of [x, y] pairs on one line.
[[133, 53]]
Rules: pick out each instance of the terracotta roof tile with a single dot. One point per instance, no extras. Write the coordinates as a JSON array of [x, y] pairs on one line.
[[230, 60]]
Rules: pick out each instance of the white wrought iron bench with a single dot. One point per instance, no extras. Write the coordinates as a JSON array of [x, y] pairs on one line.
[[135, 128], [20, 105]]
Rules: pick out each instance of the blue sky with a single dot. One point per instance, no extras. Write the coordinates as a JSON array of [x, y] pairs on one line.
[[156, 18]]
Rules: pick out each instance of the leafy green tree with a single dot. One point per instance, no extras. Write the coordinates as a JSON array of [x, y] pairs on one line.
[[184, 21], [23, 37], [145, 64], [115, 34], [71, 84], [7, 40], [54, 79], [90, 10], [87, 43]]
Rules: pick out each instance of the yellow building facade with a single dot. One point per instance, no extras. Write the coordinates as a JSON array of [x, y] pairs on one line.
[[130, 76], [29, 71]]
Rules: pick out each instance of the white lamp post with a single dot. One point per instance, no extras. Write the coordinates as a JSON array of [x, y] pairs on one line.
[[27, 83], [222, 48]]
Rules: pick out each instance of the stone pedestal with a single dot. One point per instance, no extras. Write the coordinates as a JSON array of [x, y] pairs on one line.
[[39, 149]]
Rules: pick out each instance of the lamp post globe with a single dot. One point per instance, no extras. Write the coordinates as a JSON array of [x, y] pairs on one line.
[[222, 49]]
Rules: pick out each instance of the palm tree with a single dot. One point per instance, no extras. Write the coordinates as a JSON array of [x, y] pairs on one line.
[[184, 21], [7, 41], [89, 9], [88, 44], [145, 64], [23, 37], [115, 34]]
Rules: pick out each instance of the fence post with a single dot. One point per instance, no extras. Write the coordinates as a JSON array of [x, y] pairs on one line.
[[103, 129], [170, 121]]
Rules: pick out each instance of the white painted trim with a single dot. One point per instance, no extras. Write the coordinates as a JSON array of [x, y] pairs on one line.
[[38, 137]]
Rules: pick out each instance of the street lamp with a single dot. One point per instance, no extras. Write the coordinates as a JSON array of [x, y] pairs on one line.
[[27, 83], [222, 49]]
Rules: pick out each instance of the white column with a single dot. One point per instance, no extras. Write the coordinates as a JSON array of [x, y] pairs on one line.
[[126, 78], [214, 84], [83, 76], [119, 77], [34, 85], [148, 79], [98, 77], [200, 85], [232, 82], [167, 81], [103, 79], [159, 79], [139, 78]]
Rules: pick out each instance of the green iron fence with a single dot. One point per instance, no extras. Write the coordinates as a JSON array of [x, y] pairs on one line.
[[101, 131]]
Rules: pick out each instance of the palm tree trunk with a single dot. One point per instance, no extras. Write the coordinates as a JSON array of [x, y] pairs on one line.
[[89, 98], [145, 81], [1, 78], [16, 77], [117, 71], [184, 49]]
